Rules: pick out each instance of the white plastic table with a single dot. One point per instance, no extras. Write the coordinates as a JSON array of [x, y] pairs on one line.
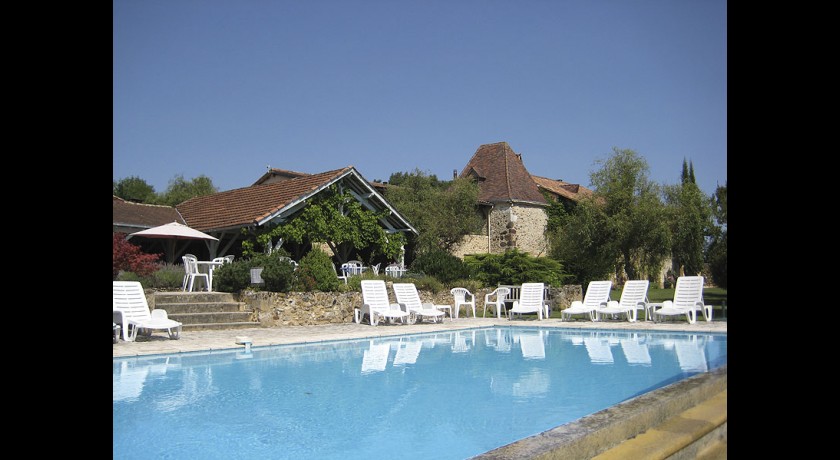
[[209, 266]]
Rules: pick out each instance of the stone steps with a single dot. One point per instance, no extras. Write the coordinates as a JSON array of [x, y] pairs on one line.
[[205, 310]]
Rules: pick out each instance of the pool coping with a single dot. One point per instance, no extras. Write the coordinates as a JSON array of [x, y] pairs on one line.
[[607, 429]]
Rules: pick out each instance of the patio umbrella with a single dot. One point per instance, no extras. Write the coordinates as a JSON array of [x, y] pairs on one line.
[[172, 232]]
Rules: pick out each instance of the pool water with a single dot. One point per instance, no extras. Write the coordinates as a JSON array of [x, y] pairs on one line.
[[447, 395]]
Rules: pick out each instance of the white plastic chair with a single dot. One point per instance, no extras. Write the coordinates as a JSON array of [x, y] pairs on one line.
[[355, 267], [409, 299], [461, 295], [290, 261], [531, 300], [131, 312], [376, 306], [393, 270], [375, 268], [191, 273], [499, 304], [597, 295], [343, 275], [688, 299], [633, 298]]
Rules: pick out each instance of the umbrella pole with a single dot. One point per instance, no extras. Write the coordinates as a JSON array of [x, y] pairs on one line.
[[170, 251]]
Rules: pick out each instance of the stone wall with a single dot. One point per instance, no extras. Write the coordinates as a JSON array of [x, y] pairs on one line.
[[511, 226], [528, 230], [274, 309]]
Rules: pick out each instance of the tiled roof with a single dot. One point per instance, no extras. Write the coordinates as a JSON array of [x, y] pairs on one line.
[[283, 174], [569, 191], [501, 175], [249, 205], [142, 216]]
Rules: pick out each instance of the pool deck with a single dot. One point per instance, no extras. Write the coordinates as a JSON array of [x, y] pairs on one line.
[[682, 420]]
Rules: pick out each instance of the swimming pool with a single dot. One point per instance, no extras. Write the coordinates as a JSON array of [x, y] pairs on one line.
[[440, 395]]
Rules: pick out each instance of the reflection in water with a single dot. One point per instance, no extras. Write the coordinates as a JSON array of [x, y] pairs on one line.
[[531, 343], [129, 380], [635, 351], [499, 339], [535, 382], [460, 344], [407, 352], [691, 355], [375, 358], [598, 348]]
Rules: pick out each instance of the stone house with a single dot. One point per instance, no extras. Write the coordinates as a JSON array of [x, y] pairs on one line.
[[511, 202]]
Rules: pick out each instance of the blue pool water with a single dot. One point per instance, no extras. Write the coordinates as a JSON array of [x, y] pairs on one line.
[[446, 395]]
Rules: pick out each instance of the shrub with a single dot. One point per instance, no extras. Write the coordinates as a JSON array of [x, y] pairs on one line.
[[472, 285], [514, 267], [442, 265], [129, 257], [232, 277], [316, 272], [167, 277], [424, 283], [278, 275]]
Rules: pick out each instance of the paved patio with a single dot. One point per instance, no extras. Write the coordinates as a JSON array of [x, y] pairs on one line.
[[160, 343]]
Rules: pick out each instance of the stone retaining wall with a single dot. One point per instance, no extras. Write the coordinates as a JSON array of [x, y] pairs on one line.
[[273, 309]]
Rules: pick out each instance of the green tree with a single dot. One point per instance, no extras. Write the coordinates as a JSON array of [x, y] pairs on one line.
[[690, 222], [716, 252], [135, 189], [336, 218], [624, 224], [180, 190], [582, 243], [442, 212]]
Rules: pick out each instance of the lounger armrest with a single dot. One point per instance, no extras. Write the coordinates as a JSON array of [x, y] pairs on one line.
[[576, 304], [612, 304], [399, 306]]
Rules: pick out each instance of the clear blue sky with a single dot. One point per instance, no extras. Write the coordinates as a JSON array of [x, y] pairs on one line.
[[224, 88]]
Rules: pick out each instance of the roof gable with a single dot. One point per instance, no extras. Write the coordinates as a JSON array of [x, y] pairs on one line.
[[278, 175], [273, 201], [502, 175], [574, 192]]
